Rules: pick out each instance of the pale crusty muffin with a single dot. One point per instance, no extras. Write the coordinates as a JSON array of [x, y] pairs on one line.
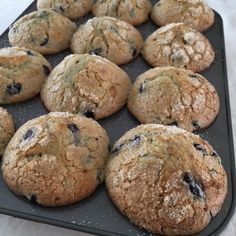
[[173, 96], [88, 85], [56, 159], [195, 13], [69, 8], [166, 180], [180, 46], [116, 40], [44, 31], [7, 129]]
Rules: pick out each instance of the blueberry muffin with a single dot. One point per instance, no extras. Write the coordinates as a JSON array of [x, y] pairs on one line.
[[195, 13], [69, 8], [134, 12], [56, 159], [166, 180], [180, 46], [7, 129], [116, 40], [86, 84], [44, 31], [22, 73], [173, 96]]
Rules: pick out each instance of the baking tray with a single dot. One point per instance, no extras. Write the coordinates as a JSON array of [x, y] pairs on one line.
[[97, 214]]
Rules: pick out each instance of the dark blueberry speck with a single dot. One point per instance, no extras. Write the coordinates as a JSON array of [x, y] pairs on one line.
[[46, 70], [89, 114], [200, 148], [109, 148], [14, 29], [61, 9], [33, 199], [214, 154], [117, 148], [136, 140], [194, 187], [114, 30], [174, 123], [29, 134], [14, 88], [195, 124], [96, 51], [193, 76], [45, 41], [141, 87], [133, 51], [29, 53], [73, 128], [211, 214]]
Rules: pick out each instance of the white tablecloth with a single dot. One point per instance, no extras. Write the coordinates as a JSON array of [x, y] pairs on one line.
[[10, 226]]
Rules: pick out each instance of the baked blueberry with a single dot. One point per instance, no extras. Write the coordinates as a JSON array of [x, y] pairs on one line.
[[14, 88], [194, 187], [200, 148], [46, 70], [29, 134], [33, 199], [133, 51], [193, 76], [73, 128], [117, 148], [29, 53], [195, 124], [141, 87], [96, 51], [89, 114], [135, 141], [44, 42], [174, 123], [61, 9], [214, 154]]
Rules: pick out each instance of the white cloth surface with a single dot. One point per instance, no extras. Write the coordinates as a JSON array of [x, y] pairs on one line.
[[10, 9]]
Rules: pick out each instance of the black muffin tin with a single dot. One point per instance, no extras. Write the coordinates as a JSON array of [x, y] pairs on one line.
[[97, 214]]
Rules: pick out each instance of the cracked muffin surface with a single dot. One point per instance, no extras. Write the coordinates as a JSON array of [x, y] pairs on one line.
[[173, 96], [69, 8], [86, 84], [22, 73], [7, 129], [44, 31], [180, 46], [195, 13], [56, 159], [134, 12], [116, 40], [165, 179]]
